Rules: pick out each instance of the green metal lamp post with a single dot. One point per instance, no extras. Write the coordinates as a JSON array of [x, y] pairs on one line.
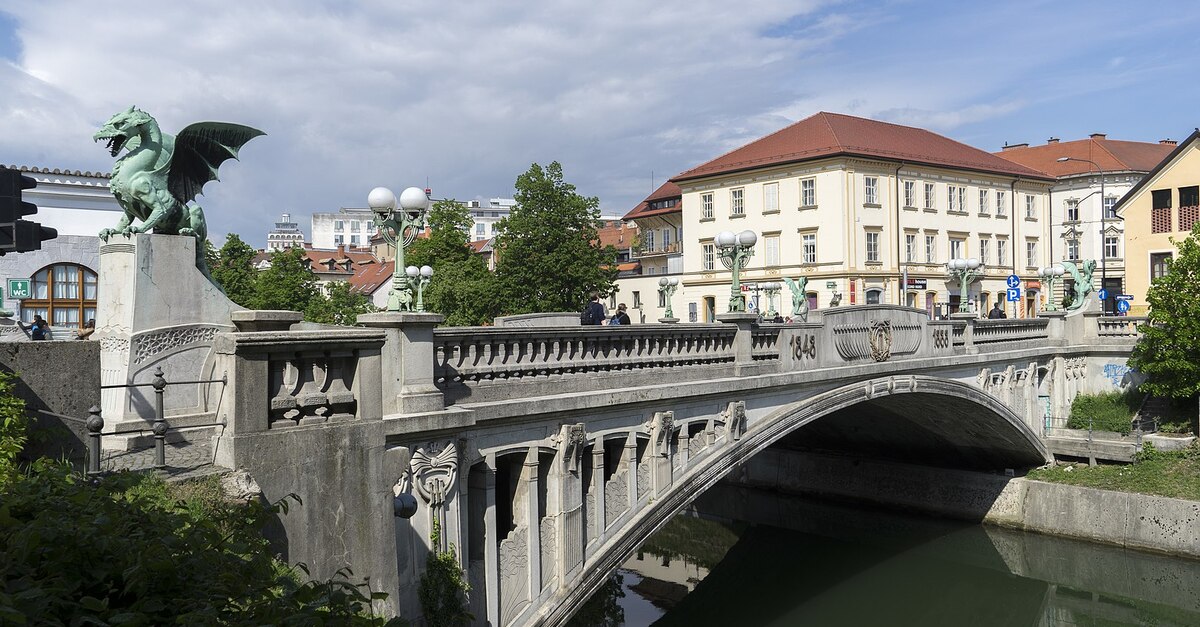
[[735, 250], [418, 279], [1050, 274], [965, 271], [667, 287], [770, 290], [400, 228]]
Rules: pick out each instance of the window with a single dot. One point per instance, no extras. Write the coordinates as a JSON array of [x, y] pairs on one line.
[[1189, 196], [1110, 207], [737, 202], [1072, 212], [957, 197], [808, 192], [1031, 254], [929, 199], [771, 197], [64, 295], [662, 300], [338, 240], [1160, 263], [984, 197], [370, 226], [1002, 252], [957, 248], [637, 300], [771, 245], [873, 296], [930, 248], [1030, 206], [648, 240], [479, 226], [1160, 211], [910, 247], [338, 226], [706, 205], [910, 194], [1001, 204], [872, 246], [666, 238], [354, 225], [1112, 247], [809, 242], [871, 190], [1072, 249], [1188, 216], [707, 254], [354, 240], [984, 250]]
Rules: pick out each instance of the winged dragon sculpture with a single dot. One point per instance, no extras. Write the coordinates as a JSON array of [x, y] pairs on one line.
[[160, 174]]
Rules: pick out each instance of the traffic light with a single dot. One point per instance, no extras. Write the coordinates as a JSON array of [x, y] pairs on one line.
[[17, 235]]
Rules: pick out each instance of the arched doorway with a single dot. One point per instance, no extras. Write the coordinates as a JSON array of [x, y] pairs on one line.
[[63, 294]]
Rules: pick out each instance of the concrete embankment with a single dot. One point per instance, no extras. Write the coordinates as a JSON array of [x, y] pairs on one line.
[[1135, 521]]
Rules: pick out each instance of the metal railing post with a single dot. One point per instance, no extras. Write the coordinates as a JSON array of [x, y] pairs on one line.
[[160, 421], [95, 424]]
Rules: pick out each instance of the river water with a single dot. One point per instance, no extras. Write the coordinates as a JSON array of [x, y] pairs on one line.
[[781, 560]]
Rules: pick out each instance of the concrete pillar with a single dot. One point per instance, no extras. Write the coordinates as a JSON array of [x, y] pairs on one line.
[[631, 467], [569, 530], [491, 537], [743, 342], [968, 332], [535, 528], [1056, 328], [598, 488], [408, 361]]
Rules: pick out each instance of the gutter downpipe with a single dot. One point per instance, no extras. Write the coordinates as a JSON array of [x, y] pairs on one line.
[[903, 291]]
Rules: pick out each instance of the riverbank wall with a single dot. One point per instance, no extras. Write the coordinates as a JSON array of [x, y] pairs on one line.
[[1137, 521]]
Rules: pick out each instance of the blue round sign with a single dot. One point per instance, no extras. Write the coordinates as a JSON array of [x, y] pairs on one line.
[[1122, 306], [1014, 281], [1103, 294]]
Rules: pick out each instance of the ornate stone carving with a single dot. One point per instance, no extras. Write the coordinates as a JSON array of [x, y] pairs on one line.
[[941, 338], [514, 577], [804, 345], [661, 431], [311, 390], [549, 547], [148, 345], [643, 479], [570, 442], [616, 496], [114, 344], [881, 340], [433, 472], [735, 419]]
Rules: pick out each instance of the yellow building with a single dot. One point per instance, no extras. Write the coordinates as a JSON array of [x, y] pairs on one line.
[[1164, 205]]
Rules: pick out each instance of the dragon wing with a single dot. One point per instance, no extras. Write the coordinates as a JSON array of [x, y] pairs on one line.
[[200, 149], [791, 284]]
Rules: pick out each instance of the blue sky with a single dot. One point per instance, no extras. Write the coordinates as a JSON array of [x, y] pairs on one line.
[[466, 95]]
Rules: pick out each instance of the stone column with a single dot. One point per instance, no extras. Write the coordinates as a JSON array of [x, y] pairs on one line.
[[569, 532], [1056, 327], [743, 342], [490, 537], [631, 467], [534, 524], [408, 361], [968, 332], [598, 488]]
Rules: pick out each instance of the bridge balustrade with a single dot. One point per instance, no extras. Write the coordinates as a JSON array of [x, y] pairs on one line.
[[1119, 326], [1012, 330]]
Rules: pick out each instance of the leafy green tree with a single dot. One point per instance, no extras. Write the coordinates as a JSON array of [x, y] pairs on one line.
[[234, 271], [462, 288], [287, 284], [550, 256], [338, 306], [1169, 349]]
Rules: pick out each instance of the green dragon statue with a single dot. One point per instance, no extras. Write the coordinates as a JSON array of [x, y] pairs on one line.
[[1082, 275], [161, 174]]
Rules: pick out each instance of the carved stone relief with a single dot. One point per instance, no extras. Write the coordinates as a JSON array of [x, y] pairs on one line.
[[941, 338], [881, 340], [661, 432], [804, 345], [148, 345], [878, 340], [570, 443], [311, 390], [514, 574], [735, 419]]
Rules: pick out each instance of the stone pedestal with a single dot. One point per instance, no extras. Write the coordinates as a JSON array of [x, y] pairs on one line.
[[743, 350], [1056, 328], [408, 386], [155, 309], [668, 320]]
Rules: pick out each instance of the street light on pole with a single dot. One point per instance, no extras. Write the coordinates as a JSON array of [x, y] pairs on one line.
[[1103, 222], [399, 228], [1050, 274], [965, 271], [735, 250]]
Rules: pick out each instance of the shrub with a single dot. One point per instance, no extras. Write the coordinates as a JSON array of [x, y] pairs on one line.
[[13, 429], [1112, 411], [443, 588]]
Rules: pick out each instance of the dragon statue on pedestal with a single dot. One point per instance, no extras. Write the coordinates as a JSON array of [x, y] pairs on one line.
[[161, 174], [1082, 276]]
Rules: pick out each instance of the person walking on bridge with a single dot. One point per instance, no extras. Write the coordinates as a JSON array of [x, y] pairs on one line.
[[996, 312]]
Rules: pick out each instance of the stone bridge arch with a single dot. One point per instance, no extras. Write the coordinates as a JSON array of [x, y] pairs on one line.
[[991, 430]]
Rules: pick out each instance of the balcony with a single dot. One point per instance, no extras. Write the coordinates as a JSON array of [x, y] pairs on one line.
[[641, 251]]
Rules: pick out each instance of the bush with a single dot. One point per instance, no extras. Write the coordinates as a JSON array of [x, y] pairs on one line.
[[1112, 411], [13, 429]]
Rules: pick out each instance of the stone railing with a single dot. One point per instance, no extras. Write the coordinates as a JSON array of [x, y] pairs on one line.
[[475, 357], [1119, 326], [764, 342], [1014, 330]]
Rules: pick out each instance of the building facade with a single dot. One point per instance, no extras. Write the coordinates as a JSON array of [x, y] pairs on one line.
[[1164, 205], [484, 217], [285, 235], [1091, 175], [348, 227], [657, 252], [868, 212]]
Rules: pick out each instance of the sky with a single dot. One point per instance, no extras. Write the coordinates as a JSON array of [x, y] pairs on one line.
[[463, 96]]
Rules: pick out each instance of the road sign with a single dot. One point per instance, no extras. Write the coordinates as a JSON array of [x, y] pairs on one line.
[[1014, 294], [19, 288], [1014, 281], [1103, 294], [1124, 297], [831, 285], [1122, 306]]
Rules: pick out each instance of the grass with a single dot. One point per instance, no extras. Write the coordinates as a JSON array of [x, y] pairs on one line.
[[1174, 474], [1112, 411]]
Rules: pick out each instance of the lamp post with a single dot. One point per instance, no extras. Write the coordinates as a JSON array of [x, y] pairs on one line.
[[418, 279], [1103, 222], [965, 271], [735, 250], [1050, 274], [667, 287], [400, 228], [771, 290]]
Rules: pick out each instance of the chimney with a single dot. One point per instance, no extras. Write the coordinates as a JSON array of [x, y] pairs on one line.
[[1167, 142], [1014, 146], [341, 251], [1052, 140], [1098, 135]]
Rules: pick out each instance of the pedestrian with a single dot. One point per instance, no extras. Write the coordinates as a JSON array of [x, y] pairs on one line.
[[593, 313], [38, 329], [86, 330], [620, 317], [778, 317], [996, 313]]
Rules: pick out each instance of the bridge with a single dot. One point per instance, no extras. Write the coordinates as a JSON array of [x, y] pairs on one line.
[[545, 456]]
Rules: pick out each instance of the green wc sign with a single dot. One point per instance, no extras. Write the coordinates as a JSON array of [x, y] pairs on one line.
[[18, 289]]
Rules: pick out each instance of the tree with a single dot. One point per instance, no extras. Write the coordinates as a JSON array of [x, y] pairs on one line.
[[233, 270], [338, 305], [1169, 349], [550, 255], [462, 288], [287, 284]]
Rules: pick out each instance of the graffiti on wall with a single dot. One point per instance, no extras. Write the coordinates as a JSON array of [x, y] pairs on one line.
[[1116, 373]]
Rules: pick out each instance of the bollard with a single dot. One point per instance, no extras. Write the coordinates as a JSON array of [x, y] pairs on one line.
[[160, 421], [95, 424]]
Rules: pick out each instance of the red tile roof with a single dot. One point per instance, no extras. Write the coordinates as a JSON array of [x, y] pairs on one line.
[[834, 134], [664, 192], [370, 277], [619, 237], [1109, 154]]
